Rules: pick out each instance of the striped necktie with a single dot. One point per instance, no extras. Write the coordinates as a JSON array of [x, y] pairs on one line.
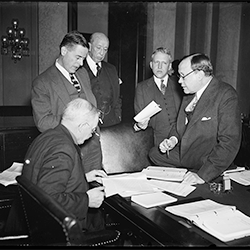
[[163, 87], [75, 83]]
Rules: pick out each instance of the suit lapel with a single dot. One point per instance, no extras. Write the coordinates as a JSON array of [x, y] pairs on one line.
[[203, 104], [58, 84]]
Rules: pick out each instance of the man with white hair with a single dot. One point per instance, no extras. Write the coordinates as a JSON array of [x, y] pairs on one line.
[[54, 163], [104, 79]]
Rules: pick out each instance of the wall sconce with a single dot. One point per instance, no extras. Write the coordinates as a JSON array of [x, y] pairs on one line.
[[15, 43]]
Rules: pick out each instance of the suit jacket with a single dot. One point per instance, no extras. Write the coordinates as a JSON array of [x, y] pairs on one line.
[[51, 92], [145, 93], [211, 139], [53, 162], [115, 114]]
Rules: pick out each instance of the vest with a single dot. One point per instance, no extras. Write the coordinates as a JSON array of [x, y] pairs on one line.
[[165, 119]]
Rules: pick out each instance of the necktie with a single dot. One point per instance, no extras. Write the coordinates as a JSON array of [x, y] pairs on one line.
[[163, 87], [76, 84], [193, 103], [98, 69]]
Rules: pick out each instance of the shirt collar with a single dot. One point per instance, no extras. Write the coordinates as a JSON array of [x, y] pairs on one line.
[[199, 92], [62, 70], [92, 64], [158, 80]]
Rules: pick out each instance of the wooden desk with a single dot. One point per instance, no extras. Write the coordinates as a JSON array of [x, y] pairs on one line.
[[157, 227]]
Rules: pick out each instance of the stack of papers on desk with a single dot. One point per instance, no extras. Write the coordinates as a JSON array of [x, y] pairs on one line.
[[9, 175], [224, 222], [153, 199], [151, 109], [165, 173]]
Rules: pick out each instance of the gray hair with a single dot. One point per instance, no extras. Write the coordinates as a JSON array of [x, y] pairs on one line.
[[79, 109]]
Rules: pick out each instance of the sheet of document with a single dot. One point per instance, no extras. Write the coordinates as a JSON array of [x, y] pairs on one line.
[[173, 187], [127, 184], [153, 199], [9, 175], [242, 177], [151, 109]]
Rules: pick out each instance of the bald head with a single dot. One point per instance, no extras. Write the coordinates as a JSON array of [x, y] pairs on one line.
[[99, 44]]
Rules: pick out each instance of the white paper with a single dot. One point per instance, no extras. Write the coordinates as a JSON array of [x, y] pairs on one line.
[[242, 177], [222, 221], [153, 199], [151, 109], [127, 184], [173, 187], [9, 175]]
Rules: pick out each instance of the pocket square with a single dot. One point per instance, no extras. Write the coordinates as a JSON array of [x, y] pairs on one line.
[[206, 118]]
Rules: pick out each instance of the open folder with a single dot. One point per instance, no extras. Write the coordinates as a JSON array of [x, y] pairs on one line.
[[224, 222]]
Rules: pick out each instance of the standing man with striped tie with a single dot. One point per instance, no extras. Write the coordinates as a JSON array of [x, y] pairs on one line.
[[104, 79], [62, 82]]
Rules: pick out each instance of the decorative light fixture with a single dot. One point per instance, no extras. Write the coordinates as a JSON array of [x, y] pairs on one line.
[[15, 43]]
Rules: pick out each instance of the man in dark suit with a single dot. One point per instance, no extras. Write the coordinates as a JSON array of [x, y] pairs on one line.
[[207, 136], [104, 79], [169, 98], [53, 89], [53, 162]]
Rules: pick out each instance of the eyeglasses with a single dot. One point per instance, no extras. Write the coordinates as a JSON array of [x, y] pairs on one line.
[[183, 77]]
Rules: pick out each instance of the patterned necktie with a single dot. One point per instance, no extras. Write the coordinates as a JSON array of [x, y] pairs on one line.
[[76, 84], [163, 87], [194, 102], [98, 69]]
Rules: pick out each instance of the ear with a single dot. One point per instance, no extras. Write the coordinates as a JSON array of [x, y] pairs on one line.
[[170, 66], [89, 46], [201, 74], [151, 64], [64, 50]]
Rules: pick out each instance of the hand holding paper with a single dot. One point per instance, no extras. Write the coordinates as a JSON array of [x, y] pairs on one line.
[[151, 109]]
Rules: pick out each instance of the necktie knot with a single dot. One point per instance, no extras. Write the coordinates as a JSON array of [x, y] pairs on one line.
[[75, 83], [163, 87]]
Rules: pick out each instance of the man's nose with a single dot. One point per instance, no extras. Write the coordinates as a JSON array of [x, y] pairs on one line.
[[81, 61]]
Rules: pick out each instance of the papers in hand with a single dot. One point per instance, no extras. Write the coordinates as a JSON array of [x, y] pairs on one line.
[[165, 173], [9, 175], [127, 184], [151, 109], [222, 221], [153, 199]]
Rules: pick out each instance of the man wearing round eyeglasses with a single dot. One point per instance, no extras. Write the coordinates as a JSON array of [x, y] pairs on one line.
[[207, 135]]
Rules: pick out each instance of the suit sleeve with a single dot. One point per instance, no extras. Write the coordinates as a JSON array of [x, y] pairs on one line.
[[56, 174], [117, 104], [41, 106], [139, 103]]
